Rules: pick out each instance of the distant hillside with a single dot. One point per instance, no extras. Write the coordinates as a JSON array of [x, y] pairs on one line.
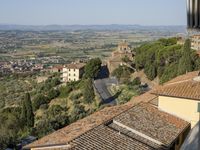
[[91, 27]]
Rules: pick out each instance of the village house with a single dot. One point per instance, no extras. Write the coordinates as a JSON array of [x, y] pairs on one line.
[[181, 98], [56, 69], [72, 72], [117, 56]]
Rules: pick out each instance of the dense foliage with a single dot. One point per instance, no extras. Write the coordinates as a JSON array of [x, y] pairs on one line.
[[49, 107], [165, 59], [92, 68], [88, 91], [122, 72], [27, 115]]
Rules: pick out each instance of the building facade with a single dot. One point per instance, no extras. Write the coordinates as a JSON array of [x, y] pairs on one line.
[[181, 99], [115, 60], [73, 72], [195, 42]]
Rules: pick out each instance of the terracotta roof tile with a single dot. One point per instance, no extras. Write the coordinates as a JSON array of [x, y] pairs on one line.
[[75, 66], [144, 118], [75, 130], [68, 133], [149, 120], [105, 138], [58, 67], [183, 78], [188, 89]]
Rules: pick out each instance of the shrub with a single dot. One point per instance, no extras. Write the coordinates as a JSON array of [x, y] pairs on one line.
[[88, 91], [92, 68], [38, 101]]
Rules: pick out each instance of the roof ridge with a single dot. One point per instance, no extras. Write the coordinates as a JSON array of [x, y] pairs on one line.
[[178, 82]]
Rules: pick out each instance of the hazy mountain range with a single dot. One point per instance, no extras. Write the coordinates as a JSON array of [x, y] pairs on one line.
[[90, 27]]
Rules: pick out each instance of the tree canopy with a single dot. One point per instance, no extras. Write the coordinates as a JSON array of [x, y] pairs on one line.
[[166, 59], [92, 68], [27, 111]]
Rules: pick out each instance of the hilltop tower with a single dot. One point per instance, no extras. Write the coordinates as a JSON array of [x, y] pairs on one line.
[[121, 52], [123, 47]]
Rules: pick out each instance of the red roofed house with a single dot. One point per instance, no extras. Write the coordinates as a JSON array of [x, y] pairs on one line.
[[181, 97]]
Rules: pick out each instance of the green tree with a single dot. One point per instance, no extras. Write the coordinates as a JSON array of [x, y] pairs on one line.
[[27, 114], [170, 72], [122, 72], [39, 100], [9, 127], [92, 68], [88, 91], [185, 63], [126, 59], [150, 70], [53, 93], [78, 112]]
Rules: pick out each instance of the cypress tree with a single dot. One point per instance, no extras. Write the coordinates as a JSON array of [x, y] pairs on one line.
[[185, 63], [23, 112], [88, 92], [27, 111]]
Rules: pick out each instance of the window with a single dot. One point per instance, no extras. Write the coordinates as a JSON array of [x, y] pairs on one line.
[[69, 74], [69, 69], [74, 74], [74, 70]]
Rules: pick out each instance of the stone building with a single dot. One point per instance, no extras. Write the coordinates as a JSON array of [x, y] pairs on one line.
[[115, 60]]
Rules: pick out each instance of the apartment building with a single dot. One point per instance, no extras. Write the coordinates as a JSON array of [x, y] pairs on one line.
[[72, 72]]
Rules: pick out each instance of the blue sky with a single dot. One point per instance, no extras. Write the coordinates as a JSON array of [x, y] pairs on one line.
[[67, 12]]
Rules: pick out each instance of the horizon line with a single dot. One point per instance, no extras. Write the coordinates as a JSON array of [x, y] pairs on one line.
[[86, 24]]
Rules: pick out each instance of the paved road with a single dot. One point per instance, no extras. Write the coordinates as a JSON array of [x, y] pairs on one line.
[[101, 86]]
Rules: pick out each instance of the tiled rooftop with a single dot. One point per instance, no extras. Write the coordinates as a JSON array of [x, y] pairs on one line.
[[93, 132], [105, 138], [189, 89], [144, 118], [134, 136], [148, 120], [182, 78], [75, 66], [74, 130]]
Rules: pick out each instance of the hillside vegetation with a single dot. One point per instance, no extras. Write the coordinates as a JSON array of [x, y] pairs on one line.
[[165, 59], [41, 108]]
